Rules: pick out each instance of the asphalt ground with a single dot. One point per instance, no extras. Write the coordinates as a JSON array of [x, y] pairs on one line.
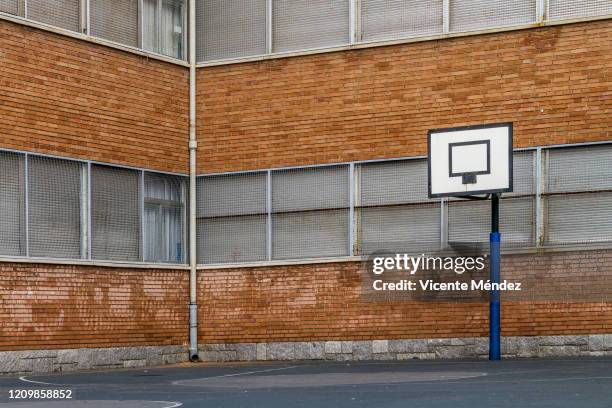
[[572, 383]]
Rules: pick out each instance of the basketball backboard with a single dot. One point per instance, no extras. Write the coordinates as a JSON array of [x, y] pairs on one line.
[[470, 160]]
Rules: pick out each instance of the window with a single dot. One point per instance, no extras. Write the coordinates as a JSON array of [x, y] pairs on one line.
[[384, 19], [310, 212], [300, 25], [115, 20], [393, 210], [115, 214], [164, 217], [12, 204], [470, 221], [230, 28], [578, 194], [163, 27], [231, 218], [55, 210], [15, 7], [58, 13]]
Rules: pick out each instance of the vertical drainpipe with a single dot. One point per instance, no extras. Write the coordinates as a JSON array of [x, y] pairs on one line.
[[193, 144]]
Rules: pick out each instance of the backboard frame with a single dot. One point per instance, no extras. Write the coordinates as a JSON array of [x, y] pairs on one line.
[[509, 189]]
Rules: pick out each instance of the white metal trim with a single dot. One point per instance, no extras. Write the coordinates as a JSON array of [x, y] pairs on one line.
[[539, 222], [352, 22], [269, 215], [269, 27], [142, 216], [446, 16], [61, 261], [26, 190], [351, 231]]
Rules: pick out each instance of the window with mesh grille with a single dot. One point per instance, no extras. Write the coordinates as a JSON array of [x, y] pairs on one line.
[[388, 19], [393, 212], [231, 218], [310, 212], [55, 213], [12, 204], [469, 221], [578, 194], [115, 214], [59, 13], [230, 28]]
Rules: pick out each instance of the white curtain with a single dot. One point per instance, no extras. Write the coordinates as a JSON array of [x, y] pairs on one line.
[[163, 30], [163, 219]]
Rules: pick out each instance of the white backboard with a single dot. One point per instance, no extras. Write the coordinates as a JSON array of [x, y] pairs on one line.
[[470, 160]]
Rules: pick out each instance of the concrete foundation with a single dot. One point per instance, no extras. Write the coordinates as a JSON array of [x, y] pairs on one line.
[[447, 348], [46, 361]]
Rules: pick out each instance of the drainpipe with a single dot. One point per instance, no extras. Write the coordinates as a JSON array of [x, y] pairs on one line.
[[193, 144]]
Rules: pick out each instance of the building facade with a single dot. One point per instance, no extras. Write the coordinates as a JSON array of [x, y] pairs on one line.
[[311, 121]]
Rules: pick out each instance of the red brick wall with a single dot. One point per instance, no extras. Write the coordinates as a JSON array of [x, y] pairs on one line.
[[57, 306], [68, 97], [554, 83], [323, 302]]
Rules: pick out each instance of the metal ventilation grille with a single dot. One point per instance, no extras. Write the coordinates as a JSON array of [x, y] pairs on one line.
[[230, 28], [58, 13], [164, 218], [231, 218], [394, 212], [579, 218], [310, 212], [400, 18], [12, 7], [470, 221], [54, 207], [115, 20], [115, 213], [12, 204], [300, 25], [467, 15], [561, 9]]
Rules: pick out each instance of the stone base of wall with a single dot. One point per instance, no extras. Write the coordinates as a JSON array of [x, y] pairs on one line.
[[47, 361], [475, 347]]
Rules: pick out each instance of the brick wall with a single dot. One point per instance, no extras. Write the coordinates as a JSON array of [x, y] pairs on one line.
[[554, 83], [60, 307], [323, 302], [72, 98]]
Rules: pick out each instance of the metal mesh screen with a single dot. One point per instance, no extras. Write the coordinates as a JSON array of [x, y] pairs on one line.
[[58, 13], [164, 218], [115, 20], [12, 7], [55, 189], [579, 218], [310, 212], [561, 9], [470, 221], [232, 214], [299, 25], [230, 28], [12, 204], [394, 212], [400, 18], [466, 15], [115, 213]]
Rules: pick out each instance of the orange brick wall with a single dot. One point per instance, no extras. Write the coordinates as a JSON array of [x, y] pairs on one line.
[[554, 83], [68, 97], [57, 306], [323, 302]]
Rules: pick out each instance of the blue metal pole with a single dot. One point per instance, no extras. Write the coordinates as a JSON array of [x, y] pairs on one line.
[[494, 301]]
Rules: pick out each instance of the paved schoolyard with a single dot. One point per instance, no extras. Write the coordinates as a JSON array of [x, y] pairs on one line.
[[458, 384]]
